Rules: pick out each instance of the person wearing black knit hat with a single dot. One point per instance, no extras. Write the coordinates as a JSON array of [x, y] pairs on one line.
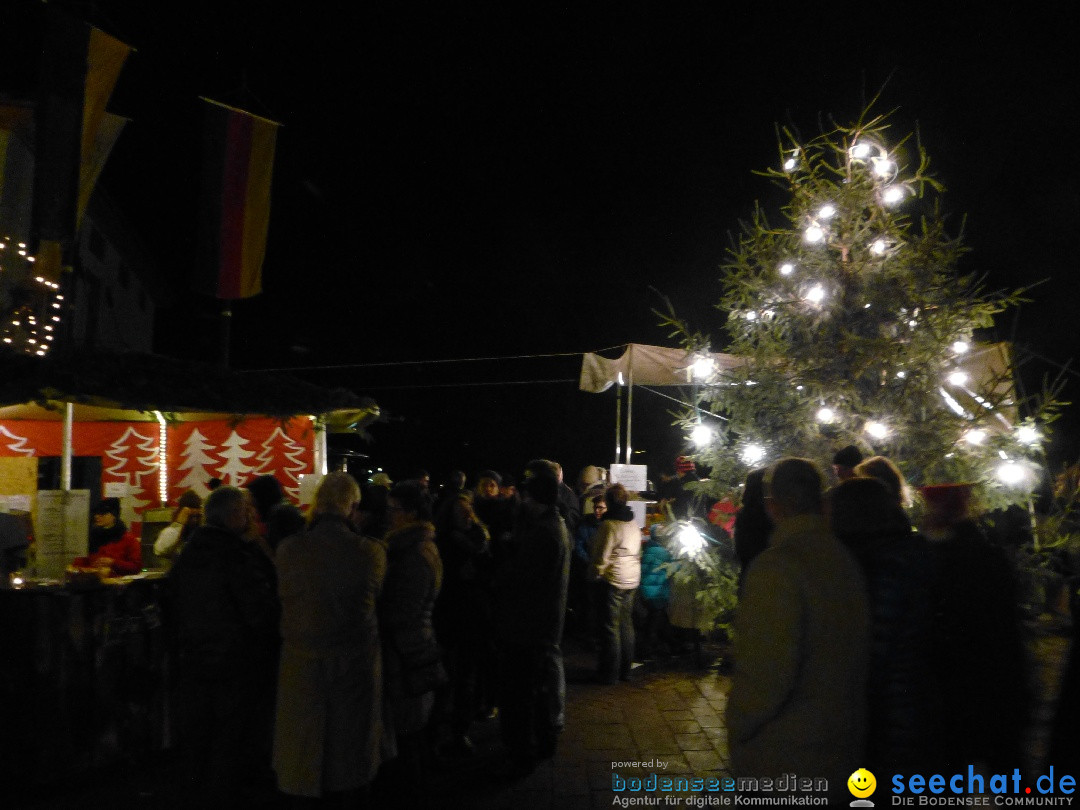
[[111, 543], [845, 461]]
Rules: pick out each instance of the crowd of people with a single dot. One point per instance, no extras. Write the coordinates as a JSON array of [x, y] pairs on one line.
[[860, 640], [361, 641], [366, 638]]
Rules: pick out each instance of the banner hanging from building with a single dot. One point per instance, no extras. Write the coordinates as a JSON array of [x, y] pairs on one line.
[[238, 167], [79, 69]]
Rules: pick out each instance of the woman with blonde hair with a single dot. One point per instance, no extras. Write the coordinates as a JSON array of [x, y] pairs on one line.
[[888, 474], [329, 727]]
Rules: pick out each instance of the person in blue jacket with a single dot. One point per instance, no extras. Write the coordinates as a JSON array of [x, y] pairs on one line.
[[655, 593]]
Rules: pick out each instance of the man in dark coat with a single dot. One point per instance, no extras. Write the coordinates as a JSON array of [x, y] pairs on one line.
[[530, 592], [226, 616], [569, 503]]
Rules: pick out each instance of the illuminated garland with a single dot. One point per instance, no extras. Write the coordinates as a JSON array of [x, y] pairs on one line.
[[31, 303]]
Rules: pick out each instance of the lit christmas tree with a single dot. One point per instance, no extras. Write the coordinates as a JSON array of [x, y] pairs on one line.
[[853, 325]]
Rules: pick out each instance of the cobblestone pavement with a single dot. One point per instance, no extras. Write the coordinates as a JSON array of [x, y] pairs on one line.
[[668, 719]]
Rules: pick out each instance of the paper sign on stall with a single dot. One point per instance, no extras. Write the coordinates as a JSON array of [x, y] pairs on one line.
[[62, 529], [16, 503], [308, 484], [634, 477], [639, 508]]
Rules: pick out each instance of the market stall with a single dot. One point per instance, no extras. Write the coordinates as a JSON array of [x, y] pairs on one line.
[[86, 672]]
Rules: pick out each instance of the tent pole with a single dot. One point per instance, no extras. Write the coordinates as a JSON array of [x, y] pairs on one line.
[[65, 459], [618, 421], [224, 334], [629, 408], [321, 455]]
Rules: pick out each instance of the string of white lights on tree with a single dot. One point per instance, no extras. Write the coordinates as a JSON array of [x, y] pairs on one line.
[[853, 325]]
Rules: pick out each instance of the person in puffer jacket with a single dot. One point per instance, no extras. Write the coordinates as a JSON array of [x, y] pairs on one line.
[[654, 595]]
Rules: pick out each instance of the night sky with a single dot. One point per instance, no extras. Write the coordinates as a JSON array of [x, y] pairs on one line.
[[477, 180]]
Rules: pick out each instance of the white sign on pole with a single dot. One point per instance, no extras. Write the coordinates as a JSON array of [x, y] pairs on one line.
[[309, 482], [62, 529], [639, 508], [634, 477]]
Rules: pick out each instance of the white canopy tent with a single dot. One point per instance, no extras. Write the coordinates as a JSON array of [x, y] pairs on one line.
[[640, 364], [988, 384]]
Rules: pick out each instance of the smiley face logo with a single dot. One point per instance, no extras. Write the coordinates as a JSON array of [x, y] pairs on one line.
[[861, 783]]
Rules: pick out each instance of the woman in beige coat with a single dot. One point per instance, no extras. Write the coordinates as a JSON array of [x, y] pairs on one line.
[[329, 708]]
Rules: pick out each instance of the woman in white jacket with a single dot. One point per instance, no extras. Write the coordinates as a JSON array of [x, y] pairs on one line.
[[617, 563]]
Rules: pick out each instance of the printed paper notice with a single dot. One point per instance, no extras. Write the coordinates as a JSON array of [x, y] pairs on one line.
[[635, 477], [61, 528]]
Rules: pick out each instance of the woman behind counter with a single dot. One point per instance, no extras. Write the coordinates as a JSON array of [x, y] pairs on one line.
[[110, 541]]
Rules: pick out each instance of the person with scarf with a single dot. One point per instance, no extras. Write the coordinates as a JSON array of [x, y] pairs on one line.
[[111, 543]]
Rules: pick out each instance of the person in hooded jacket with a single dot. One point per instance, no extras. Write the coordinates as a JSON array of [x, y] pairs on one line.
[[617, 564]]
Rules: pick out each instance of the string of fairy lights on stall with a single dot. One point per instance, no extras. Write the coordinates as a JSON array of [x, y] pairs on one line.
[[1012, 467], [33, 313]]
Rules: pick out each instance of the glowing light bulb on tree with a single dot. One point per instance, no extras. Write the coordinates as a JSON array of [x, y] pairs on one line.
[[827, 211], [860, 150], [702, 368], [787, 268], [1011, 474], [701, 435], [1026, 434], [690, 540], [893, 195], [814, 233], [878, 247], [753, 454], [826, 416], [877, 430], [958, 378], [883, 167], [975, 436], [816, 294], [960, 347]]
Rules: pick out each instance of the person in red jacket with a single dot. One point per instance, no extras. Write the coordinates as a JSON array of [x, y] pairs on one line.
[[110, 541]]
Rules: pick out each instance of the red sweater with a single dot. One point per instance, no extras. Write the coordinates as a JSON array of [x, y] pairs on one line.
[[126, 554]]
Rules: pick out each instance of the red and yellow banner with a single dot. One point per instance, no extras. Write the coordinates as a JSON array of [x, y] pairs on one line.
[[79, 69], [238, 167]]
